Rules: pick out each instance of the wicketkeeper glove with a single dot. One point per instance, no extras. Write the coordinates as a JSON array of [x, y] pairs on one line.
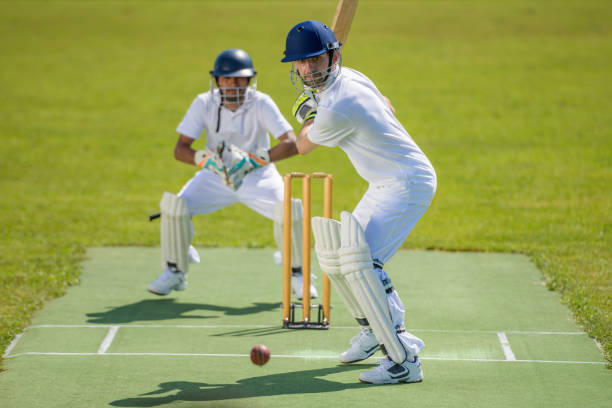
[[211, 160], [304, 107], [239, 163]]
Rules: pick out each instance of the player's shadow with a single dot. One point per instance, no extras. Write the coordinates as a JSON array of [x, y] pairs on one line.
[[294, 382], [167, 309]]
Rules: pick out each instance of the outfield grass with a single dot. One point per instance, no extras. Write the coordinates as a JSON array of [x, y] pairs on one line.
[[511, 101]]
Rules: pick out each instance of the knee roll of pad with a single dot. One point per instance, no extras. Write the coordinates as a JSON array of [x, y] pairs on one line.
[[327, 242]]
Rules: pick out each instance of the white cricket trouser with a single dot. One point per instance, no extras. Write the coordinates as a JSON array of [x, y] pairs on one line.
[[261, 190], [389, 211]]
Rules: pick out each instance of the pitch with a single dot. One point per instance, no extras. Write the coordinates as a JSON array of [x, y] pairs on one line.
[[491, 330]]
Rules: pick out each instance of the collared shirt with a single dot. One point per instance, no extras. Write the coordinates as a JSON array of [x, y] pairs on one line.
[[247, 127]]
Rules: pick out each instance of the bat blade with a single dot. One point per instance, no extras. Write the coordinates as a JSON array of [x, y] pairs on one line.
[[345, 11]]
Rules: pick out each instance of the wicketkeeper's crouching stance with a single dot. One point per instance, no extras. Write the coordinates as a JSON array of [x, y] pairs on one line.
[[236, 166]]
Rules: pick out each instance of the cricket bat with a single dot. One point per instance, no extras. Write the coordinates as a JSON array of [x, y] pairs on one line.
[[345, 11]]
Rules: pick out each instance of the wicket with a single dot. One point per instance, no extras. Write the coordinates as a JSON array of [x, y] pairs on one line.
[[288, 307]]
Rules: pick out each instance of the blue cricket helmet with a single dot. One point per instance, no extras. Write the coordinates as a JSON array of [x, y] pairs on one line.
[[233, 62], [308, 39]]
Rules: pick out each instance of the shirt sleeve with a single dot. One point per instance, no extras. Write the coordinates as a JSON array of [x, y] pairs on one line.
[[330, 128], [272, 119], [194, 121]]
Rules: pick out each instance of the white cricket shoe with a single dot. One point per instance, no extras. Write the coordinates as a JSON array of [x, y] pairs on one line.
[[167, 282], [389, 372], [363, 346], [297, 285]]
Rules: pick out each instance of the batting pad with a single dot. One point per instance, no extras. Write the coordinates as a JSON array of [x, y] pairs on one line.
[[357, 268], [327, 243], [296, 230], [176, 232]]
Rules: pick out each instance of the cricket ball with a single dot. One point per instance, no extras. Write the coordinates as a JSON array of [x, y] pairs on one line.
[[260, 354]]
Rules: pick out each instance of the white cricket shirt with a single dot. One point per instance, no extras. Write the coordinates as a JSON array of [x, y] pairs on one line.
[[246, 128], [353, 115]]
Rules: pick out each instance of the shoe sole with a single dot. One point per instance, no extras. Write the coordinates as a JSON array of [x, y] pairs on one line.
[[165, 294], [392, 382], [157, 293], [398, 378]]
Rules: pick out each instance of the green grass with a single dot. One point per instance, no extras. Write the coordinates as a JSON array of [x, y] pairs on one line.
[[510, 100]]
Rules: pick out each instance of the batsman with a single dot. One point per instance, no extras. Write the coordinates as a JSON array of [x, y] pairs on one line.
[[341, 107], [236, 165]]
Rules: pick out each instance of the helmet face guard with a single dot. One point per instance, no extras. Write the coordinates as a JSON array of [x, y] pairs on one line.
[[317, 80], [233, 63], [306, 40], [232, 94]]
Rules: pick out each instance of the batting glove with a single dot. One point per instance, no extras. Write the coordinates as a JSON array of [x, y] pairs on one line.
[[304, 107]]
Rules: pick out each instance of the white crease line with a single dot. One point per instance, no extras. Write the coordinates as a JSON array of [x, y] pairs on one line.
[[261, 326], [484, 360], [479, 360], [12, 345], [506, 346], [108, 340], [565, 333]]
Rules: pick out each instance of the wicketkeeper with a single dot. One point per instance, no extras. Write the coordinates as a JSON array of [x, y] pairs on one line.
[[236, 166], [342, 107]]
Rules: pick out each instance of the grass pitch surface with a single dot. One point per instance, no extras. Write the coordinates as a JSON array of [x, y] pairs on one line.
[[510, 100], [494, 337]]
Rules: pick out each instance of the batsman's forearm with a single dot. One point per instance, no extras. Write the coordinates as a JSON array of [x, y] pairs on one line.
[[304, 145]]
